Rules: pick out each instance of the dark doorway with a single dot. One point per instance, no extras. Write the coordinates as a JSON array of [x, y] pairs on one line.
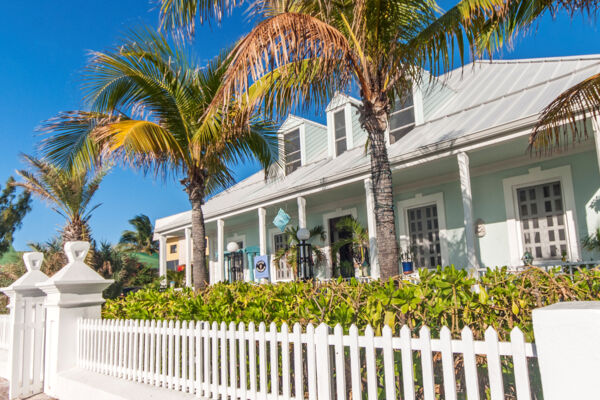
[[345, 264]]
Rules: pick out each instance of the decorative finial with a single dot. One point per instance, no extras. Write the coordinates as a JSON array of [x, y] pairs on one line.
[[33, 260], [76, 251]]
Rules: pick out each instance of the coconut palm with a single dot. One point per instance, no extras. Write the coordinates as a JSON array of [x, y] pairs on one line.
[[140, 239], [69, 192], [168, 130], [307, 50]]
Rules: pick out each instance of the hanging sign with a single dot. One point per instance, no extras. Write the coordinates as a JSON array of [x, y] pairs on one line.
[[261, 268], [281, 220]]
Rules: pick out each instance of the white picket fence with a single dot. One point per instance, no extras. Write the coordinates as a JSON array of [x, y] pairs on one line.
[[4, 331], [212, 361]]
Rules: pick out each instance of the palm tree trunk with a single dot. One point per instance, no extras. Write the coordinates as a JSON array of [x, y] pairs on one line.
[[375, 120], [194, 186]]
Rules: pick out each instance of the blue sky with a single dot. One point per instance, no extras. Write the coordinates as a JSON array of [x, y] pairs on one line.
[[44, 45]]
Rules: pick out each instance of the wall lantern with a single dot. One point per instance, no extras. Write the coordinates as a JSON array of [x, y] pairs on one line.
[[305, 265], [236, 262]]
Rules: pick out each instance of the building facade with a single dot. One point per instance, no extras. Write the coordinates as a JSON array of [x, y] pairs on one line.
[[467, 190]]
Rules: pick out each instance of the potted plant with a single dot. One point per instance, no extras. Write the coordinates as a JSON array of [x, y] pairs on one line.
[[359, 242], [406, 258]]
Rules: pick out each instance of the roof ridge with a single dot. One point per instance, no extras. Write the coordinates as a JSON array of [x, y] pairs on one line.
[[508, 94], [538, 59]]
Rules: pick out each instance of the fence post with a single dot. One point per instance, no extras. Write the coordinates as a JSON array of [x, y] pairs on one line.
[[72, 293], [568, 347], [24, 296], [323, 361]]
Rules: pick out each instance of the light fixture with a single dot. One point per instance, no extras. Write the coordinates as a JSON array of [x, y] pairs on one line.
[[232, 247], [303, 234]]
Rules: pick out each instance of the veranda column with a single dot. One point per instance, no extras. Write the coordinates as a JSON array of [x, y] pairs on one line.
[[301, 212], [188, 257], [220, 250], [596, 127], [162, 254], [72, 293], [372, 229], [467, 200], [262, 231], [26, 329]]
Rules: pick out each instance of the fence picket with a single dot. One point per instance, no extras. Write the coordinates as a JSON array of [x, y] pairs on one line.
[[298, 371], [340, 367], [517, 340], [206, 371], [242, 350], [274, 363], [262, 360], [285, 361], [388, 363], [214, 379], [448, 364], [163, 348], [232, 361], [311, 361], [407, 363], [427, 363], [223, 366], [183, 379], [494, 366], [147, 338], [370, 361], [355, 363], [470, 365], [252, 359]]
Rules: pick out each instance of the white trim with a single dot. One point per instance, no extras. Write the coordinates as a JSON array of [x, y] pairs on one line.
[[467, 202], [301, 212], [262, 231], [220, 251], [596, 129], [537, 176], [188, 256], [372, 227], [418, 105], [272, 233], [349, 133], [420, 201], [339, 212], [302, 129]]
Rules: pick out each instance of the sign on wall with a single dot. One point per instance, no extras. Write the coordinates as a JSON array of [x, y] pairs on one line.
[[261, 268]]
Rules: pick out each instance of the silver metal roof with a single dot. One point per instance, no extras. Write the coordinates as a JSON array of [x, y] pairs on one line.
[[486, 94]]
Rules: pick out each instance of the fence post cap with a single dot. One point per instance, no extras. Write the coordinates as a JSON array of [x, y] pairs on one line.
[[33, 260], [76, 251], [27, 283]]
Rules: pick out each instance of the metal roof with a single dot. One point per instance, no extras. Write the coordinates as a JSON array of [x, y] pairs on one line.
[[486, 94]]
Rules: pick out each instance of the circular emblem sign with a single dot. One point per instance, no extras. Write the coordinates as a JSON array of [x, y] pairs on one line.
[[261, 266]]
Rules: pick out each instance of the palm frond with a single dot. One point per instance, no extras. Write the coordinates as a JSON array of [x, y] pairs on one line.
[[564, 120]]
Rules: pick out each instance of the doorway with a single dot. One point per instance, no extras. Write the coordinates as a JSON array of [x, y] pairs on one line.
[[345, 265]]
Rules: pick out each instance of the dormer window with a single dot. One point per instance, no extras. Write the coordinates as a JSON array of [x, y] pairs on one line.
[[339, 124], [293, 156], [402, 120]]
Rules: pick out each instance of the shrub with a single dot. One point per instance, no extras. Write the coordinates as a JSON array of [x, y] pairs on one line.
[[442, 297]]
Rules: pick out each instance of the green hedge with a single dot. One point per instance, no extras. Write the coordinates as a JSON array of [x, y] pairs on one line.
[[442, 297]]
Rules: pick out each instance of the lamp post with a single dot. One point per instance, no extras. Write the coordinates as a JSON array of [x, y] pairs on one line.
[[236, 262], [305, 267]]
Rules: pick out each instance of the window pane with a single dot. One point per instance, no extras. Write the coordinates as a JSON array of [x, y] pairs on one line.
[[402, 118], [399, 133], [340, 146], [292, 141], [339, 123], [424, 234]]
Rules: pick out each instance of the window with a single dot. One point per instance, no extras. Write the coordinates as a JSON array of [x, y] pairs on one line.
[[402, 120], [424, 233], [173, 249], [339, 125], [172, 265], [280, 241], [542, 218], [292, 151]]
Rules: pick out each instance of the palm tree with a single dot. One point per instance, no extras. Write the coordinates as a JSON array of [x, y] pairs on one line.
[[169, 131], [357, 239], [69, 192], [307, 50], [140, 239]]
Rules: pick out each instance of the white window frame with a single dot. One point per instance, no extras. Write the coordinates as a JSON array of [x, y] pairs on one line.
[[302, 128], [537, 176], [347, 108], [272, 233], [419, 200], [417, 110]]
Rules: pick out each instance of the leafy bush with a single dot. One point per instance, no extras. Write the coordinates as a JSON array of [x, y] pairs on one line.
[[442, 297]]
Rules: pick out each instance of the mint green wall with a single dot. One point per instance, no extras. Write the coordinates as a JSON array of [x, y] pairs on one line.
[[316, 142]]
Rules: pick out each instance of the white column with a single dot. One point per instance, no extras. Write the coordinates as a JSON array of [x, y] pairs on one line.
[[596, 128], [262, 230], [301, 212], [188, 257], [162, 257], [220, 251], [72, 293], [26, 350], [566, 339], [467, 200], [372, 227]]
